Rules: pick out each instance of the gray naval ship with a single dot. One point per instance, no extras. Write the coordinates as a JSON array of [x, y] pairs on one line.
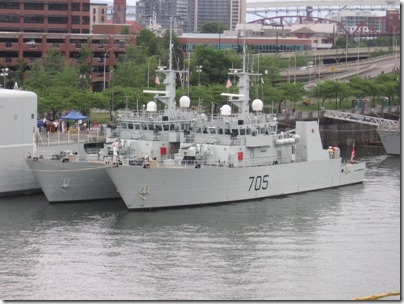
[[236, 155], [148, 133]]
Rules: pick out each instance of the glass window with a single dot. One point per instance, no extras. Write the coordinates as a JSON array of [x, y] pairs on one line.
[[58, 6], [9, 19], [130, 126], [34, 19], [76, 7], [123, 125], [86, 7], [86, 20], [57, 20], [34, 6], [136, 126], [75, 19], [9, 5]]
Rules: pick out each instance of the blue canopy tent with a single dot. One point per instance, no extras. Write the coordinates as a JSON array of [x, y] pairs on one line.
[[74, 115]]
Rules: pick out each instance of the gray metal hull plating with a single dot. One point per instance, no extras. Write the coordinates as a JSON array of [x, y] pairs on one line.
[[144, 188], [391, 142], [72, 181]]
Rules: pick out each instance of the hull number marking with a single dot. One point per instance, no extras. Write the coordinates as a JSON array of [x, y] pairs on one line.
[[258, 182]]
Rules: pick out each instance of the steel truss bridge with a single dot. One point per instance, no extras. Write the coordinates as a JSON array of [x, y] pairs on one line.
[[296, 13]]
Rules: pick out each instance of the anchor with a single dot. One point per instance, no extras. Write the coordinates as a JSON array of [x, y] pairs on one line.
[[65, 184], [144, 191]]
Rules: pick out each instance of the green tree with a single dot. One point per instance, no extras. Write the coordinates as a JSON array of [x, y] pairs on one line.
[[213, 27]]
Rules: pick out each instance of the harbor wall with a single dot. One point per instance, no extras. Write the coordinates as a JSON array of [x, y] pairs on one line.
[[342, 133]]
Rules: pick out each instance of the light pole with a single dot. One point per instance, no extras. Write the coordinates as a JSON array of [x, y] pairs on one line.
[[4, 73], [105, 62], [336, 94], [199, 70], [346, 49], [148, 69]]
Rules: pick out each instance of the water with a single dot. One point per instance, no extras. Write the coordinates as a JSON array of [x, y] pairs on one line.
[[334, 244]]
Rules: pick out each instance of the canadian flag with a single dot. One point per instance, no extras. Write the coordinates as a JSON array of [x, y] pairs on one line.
[[353, 153], [157, 81], [228, 84]]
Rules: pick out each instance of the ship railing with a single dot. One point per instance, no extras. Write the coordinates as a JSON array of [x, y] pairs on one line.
[[172, 161], [147, 136]]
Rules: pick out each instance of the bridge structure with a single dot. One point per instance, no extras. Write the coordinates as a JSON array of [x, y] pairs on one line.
[[260, 8], [281, 13]]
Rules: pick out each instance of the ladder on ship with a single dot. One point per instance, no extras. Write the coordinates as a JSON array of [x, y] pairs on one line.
[[381, 123]]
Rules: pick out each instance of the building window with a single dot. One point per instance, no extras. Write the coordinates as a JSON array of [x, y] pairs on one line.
[[103, 11], [102, 19], [76, 7], [57, 20], [34, 19], [9, 19], [86, 20], [86, 7], [94, 11], [93, 19], [9, 5], [75, 19], [57, 7], [34, 6]]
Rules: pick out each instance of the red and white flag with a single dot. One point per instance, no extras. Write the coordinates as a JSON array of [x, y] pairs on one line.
[[228, 84], [157, 81], [353, 153]]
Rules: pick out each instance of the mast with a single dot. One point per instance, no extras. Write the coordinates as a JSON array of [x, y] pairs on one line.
[[167, 96]]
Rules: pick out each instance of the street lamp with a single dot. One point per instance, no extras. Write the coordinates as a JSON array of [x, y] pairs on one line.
[[105, 62], [336, 94], [346, 49], [199, 70], [4, 73], [148, 69]]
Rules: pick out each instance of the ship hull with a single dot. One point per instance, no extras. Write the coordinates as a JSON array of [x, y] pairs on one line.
[[72, 181], [391, 142], [148, 188]]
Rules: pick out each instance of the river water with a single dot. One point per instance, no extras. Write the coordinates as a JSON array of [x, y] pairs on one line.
[[334, 244]]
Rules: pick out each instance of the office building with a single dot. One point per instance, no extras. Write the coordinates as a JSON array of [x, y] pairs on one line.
[[191, 15]]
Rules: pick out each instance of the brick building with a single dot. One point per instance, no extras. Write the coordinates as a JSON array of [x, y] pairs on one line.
[[49, 16]]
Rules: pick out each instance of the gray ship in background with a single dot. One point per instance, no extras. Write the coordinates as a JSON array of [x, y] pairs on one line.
[[389, 130], [233, 156], [19, 139]]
